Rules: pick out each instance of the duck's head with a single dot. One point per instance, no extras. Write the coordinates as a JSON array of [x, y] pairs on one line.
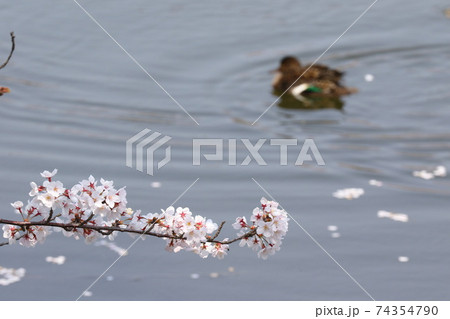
[[4, 90], [289, 64]]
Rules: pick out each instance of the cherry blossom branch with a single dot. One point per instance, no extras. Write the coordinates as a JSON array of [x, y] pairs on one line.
[[92, 209], [13, 46], [105, 230], [100, 229]]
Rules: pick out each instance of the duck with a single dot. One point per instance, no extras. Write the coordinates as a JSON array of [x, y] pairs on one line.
[[4, 90], [309, 80]]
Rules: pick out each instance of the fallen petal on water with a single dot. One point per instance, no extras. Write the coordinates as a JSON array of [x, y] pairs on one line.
[[60, 260], [155, 184], [348, 193], [403, 259], [440, 171], [332, 228], [9, 276], [394, 216], [195, 276], [369, 77], [374, 182]]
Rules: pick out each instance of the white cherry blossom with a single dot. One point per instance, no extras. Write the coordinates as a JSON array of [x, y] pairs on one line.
[[17, 205], [49, 175], [54, 188]]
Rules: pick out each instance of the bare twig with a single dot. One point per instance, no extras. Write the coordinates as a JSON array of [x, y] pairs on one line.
[[153, 224], [248, 234], [13, 46], [87, 220], [218, 231], [49, 219]]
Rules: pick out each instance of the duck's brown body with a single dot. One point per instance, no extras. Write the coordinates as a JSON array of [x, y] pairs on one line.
[[291, 74]]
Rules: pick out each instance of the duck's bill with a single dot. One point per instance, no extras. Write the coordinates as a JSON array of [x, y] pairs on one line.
[[4, 90]]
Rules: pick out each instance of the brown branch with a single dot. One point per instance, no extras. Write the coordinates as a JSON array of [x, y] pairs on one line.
[[218, 231], [49, 219], [87, 220], [105, 232], [108, 230], [72, 226], [157, 220], [7, 243], [13, 46], [248, 234]]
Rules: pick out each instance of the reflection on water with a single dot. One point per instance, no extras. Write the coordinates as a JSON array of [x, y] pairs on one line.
[[76, 98], [289, 101]]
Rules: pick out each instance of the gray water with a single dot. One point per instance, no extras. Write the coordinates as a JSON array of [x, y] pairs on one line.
[[77, 97]]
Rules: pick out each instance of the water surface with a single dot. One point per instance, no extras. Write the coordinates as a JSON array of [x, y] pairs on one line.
[[77, 97]]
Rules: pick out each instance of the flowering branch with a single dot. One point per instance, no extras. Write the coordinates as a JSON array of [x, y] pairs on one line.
[[92, 211], [104, 230]]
